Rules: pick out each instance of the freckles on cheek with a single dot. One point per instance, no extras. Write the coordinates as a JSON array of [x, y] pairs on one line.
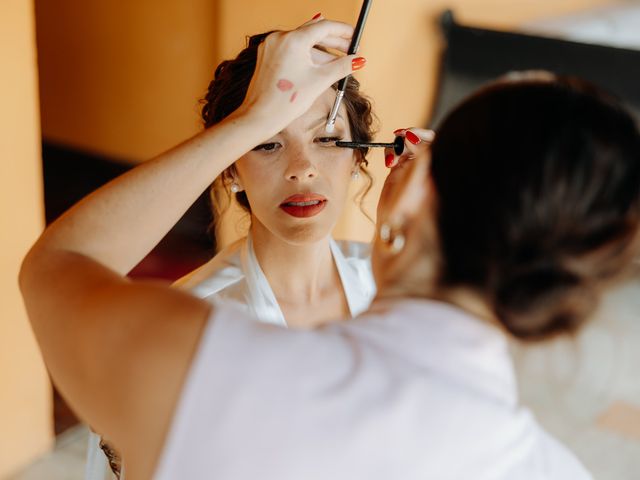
[[260, 174], [342, 159], [338, 169]]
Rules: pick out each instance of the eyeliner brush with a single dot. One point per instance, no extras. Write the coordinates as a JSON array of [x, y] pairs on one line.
[[397, 145]]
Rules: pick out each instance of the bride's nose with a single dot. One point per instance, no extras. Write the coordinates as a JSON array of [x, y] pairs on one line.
[[300, 167]]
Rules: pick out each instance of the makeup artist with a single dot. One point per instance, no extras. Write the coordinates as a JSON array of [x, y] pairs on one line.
[[516, 228]]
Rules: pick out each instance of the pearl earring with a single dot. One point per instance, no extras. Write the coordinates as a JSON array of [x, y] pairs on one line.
[[235, 188], [355, 175]]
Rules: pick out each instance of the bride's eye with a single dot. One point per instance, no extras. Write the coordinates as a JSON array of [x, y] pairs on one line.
[[328, 140], [267, 147]]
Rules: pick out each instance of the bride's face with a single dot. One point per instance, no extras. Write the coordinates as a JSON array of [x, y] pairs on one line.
[[297, 182]]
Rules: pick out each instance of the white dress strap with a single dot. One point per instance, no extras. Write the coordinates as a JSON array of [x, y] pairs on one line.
[[97, 467], [356, 277], [264, 304]]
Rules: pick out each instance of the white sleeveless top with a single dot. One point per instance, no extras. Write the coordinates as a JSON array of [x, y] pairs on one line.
[[234, 276], [410, 390]]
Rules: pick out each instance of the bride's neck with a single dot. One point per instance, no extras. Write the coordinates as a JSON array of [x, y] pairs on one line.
[[299, 272]]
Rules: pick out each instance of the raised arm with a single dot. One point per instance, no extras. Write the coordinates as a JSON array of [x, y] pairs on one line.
[[120, 223], [119, 350]]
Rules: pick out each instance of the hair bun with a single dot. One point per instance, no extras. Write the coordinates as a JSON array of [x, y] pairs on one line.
[[542, 299]]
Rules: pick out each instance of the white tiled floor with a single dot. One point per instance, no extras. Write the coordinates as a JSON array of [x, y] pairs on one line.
[[568, 385], [571, 384]]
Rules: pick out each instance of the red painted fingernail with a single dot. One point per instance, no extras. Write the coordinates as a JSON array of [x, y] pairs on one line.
[[398, 131], [412, 137], [388, 159], [358, 63], [317, 16]]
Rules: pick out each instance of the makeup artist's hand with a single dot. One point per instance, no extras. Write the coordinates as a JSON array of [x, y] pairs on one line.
[[415, 140], [290, 73], [406, 225], [416, 145]]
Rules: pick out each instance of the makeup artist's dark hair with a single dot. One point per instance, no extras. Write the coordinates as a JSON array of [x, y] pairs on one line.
[[226, 93], [538, 187]]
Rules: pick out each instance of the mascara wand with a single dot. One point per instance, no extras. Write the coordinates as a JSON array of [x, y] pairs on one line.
[[397, 145]]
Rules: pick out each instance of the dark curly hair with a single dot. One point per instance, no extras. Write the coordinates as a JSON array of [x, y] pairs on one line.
[[226, 93], [538, 185]]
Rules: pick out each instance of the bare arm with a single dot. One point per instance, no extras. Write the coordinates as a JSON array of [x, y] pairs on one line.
[[119, 350]]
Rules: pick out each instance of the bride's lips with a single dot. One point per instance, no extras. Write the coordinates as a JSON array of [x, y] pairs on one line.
[[303, 205]]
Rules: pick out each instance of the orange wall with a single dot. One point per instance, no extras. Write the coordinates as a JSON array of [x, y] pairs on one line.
[[25, 395], [240, 18], [123, 77]]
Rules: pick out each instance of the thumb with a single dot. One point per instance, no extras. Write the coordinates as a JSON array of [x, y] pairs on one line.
[[342, 67]]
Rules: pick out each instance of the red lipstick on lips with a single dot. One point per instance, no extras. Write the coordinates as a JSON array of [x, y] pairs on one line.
[[304, 205]]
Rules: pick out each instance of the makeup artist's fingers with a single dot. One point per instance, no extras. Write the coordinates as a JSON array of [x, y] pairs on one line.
[[390, 158], [340, 68], [323, 30], [291, 73], [425, 134], [337, 43], [320, 57], [315, 19], [415, 140]]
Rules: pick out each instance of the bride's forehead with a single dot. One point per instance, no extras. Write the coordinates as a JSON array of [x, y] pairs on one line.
[[320, 110]]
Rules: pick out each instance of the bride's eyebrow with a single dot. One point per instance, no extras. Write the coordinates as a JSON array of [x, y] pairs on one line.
[[321, 121]]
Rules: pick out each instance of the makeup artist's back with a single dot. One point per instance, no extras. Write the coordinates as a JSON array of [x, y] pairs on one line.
[[410, 390]]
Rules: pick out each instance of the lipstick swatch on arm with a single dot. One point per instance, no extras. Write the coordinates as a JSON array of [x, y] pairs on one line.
[[285, 85]]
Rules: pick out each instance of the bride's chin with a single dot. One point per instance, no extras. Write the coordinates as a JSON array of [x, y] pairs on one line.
[[304, 234]]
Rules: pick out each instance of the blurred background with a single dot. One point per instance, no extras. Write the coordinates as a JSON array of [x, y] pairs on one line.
[[90, 89]]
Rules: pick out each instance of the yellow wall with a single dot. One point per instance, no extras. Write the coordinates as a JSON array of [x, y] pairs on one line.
[[123, 77], [25, 396]]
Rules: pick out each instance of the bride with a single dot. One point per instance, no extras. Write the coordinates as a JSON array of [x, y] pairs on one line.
[[288, 270]]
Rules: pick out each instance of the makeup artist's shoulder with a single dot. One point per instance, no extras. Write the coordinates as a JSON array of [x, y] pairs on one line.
[[221, 272]]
